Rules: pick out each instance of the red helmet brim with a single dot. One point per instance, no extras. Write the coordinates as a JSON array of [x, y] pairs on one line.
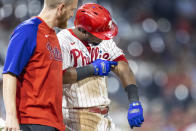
[[106, 35]]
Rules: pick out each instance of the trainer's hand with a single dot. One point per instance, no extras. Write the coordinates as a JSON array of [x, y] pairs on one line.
[[135, 114], [11, 124], [103, 67]]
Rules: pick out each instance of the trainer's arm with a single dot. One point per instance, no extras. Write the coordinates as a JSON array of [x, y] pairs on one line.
[[72, 75], [9, 96]]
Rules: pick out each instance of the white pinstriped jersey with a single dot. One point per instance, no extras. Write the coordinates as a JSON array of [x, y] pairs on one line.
[[91, 91]]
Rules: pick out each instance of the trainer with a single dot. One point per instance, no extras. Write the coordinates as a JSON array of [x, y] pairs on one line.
[[32, 75]]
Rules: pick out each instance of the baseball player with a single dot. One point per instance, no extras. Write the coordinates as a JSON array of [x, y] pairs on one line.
[[89, 53]]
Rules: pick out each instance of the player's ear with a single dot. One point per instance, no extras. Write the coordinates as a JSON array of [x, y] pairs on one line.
[[61, 9]]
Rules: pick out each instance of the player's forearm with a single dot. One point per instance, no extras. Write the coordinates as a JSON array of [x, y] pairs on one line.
[[135, 112], [127, 78], [125, 74], [9, 94]]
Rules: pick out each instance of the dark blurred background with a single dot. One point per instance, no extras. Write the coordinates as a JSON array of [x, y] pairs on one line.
[[158, 38]]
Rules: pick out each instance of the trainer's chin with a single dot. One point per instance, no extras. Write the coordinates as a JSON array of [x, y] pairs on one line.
[[62, 24]]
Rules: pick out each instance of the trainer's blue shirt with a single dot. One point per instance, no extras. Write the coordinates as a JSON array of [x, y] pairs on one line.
[[21, 46]]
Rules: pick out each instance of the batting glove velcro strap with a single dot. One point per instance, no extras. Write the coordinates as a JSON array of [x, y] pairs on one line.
[[135, 114]]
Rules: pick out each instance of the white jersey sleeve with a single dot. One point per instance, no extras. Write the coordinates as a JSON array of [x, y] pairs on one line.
[[113, 50], [65, 49]]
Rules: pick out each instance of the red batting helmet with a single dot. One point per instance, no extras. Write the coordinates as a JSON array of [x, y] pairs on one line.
[[96, 20]]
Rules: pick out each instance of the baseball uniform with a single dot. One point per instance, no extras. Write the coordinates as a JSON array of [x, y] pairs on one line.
[[82, 95]]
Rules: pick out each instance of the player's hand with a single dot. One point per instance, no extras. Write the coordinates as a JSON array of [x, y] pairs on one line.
[[135, 114], [11, 124], [103, 67]]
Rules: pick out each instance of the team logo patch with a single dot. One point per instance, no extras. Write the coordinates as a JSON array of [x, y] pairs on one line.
[[55, 53]]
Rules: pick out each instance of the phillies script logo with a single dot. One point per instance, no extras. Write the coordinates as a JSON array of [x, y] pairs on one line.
[[55, 53], [95, 54]]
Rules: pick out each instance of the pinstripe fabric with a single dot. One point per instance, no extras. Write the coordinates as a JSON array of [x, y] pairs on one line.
[[82, 120], [91, 91]]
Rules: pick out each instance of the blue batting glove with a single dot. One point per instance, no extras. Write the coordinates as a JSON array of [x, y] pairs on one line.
[[135, 114], [103, 67]]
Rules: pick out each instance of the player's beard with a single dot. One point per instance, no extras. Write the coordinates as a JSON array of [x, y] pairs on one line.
[[95, 44], [63, 25], [91, 42]]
